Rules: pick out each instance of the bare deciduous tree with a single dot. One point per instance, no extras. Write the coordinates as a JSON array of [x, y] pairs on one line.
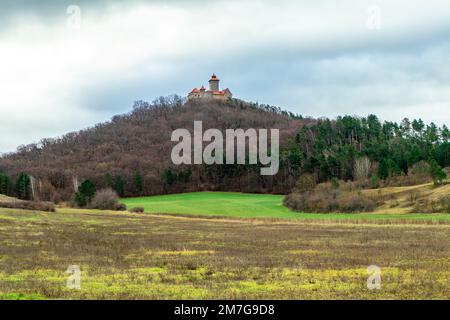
[[361, 168]]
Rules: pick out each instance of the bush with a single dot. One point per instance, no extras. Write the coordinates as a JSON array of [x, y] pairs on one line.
[[137, 210], [356, 203], [306, 182], [121, 207], [326, 198], [106, 199], [29, 205], [421, 168]]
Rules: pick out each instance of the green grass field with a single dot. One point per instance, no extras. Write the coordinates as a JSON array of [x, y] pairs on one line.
[[240, 205]]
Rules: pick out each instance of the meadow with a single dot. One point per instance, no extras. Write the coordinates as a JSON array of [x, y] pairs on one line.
[[148, 256], [215, 245], [242, 205]]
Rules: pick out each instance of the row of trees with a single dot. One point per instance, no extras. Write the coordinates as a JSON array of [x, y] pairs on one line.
[[20, 188], [118, 183]]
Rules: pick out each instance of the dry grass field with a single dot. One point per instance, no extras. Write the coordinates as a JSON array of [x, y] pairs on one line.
[[4, 198], [125, 256], [404, 199]]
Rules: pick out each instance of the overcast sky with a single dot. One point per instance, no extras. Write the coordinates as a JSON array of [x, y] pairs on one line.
[[317, 58]]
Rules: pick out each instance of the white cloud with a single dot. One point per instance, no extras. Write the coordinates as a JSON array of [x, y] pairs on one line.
[[311, 55]]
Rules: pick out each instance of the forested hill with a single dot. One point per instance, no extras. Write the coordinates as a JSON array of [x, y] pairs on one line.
[[131, 153], [137, 146]]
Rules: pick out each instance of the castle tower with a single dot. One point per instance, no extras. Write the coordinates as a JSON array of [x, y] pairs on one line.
[[214, 91], [214, 83]]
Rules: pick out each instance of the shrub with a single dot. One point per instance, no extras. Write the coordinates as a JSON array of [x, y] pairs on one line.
[[306, 182], [356, 203], [29, 205], [106, 199], [137, 210], [421, 168], [325, 198], [121, 207]]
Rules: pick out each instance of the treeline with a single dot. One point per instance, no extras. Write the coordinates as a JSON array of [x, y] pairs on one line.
[[330, 149], [19, 188]]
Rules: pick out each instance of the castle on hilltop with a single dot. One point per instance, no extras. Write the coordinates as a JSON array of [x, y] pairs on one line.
[[214, 91]]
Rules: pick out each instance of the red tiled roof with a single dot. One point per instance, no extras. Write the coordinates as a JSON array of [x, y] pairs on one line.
[[221, 92]]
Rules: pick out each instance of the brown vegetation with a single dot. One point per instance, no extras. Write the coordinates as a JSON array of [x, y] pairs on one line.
[[124, 256], [141, 142], [330, 197], [106, 199], [412, 193], [29, 205], [137, 210]]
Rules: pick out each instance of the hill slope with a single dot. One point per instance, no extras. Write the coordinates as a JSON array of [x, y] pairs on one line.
[[140, 141]]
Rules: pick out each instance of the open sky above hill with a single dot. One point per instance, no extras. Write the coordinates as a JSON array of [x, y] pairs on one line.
[[318, 58]]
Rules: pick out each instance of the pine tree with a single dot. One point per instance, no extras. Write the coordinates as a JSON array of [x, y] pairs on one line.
[[138, 181], [437, 173], [107, 180], [169, 177], [85, 194], [23, 186], [6, 184], [120, 186]]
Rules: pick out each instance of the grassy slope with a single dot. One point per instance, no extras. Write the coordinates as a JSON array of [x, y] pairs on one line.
[[248, 206], [398, 199]]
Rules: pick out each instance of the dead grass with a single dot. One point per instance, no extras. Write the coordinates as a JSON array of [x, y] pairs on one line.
[[405, 199], [126, 256], [4, 198]]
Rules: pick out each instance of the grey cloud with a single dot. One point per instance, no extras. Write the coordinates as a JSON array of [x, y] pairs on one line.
[[399, 71]]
